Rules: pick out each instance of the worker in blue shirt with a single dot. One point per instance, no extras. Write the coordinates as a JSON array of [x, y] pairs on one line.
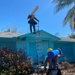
[[53, 62]]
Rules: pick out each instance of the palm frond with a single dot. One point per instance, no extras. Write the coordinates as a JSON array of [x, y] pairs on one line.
[[62, 1], [61, 4], [56, 1], [72, 24], [69, 16]]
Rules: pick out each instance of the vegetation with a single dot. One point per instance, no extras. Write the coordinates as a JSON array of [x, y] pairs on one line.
[[71, 36], [14, 63], [70, 17], [13, 29]]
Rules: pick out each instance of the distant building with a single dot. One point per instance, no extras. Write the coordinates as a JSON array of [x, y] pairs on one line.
[[36, 45]]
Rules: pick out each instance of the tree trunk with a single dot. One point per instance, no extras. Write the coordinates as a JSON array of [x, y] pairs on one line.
[[74, 14]]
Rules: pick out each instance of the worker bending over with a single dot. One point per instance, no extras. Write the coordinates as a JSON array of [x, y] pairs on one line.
[[52, 59]]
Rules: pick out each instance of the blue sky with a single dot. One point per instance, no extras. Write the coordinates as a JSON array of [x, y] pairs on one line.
[[13, 13]]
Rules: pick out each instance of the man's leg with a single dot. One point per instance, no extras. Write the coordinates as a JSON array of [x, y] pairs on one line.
[[34, 28], [56, 62], [30, 28], [50, 64], [50, 67]]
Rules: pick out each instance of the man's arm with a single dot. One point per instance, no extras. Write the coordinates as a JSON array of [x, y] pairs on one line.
[[29, 16], [36, 19], [60, 52]]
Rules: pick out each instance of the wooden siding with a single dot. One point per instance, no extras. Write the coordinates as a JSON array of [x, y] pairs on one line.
[[67, 49], [21, 44], [10, 44], [32, 51]]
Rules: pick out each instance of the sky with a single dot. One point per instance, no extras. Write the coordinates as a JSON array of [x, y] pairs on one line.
[[13, 13]]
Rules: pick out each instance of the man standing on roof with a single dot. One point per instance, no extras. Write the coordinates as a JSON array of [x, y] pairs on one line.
[[32, 22]]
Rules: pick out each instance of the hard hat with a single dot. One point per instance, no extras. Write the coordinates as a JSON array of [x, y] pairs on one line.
[[49, 49]]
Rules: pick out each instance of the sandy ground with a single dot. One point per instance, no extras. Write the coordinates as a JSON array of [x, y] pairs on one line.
[[68, 72], [66, 69], [64, 72]]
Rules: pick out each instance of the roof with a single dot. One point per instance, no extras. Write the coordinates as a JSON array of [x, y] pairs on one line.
[[11, 35], [41, 34], [67, 39], [8, 34]]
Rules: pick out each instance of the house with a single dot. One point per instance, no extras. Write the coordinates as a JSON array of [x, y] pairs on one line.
[[36, 45]]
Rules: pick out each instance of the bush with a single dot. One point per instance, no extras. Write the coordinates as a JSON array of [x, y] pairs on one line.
[[14, 63]]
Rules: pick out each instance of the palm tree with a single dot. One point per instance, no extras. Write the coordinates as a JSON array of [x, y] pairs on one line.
[[71, 36], [70, 17]]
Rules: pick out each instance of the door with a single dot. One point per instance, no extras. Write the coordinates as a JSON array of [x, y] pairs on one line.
[[32, 51]]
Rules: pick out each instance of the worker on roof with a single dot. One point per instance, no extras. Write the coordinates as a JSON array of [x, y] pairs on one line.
[[32, 22]]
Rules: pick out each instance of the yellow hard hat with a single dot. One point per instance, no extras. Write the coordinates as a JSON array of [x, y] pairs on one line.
[[49, 49]]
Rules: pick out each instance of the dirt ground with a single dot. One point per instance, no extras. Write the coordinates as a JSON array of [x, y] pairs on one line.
[[66, 69], [64, 72], [68, 72]]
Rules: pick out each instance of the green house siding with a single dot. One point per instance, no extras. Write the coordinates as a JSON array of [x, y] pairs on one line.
[[21, 44], [74, 51], [45, 46], [32, 51], [67, 49], [11, 44], [36, 49]]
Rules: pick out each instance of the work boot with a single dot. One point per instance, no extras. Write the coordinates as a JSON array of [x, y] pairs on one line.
[[59, 72], [56, 66], [34, 32], [49, 72]]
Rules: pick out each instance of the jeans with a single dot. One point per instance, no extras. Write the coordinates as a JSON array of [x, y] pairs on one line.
[[33, 28]]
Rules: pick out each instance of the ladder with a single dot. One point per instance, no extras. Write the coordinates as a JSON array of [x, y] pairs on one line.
[[37, 27], [38, 44], [39, 51]]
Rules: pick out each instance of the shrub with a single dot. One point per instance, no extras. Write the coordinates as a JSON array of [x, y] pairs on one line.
[[14, 63]]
